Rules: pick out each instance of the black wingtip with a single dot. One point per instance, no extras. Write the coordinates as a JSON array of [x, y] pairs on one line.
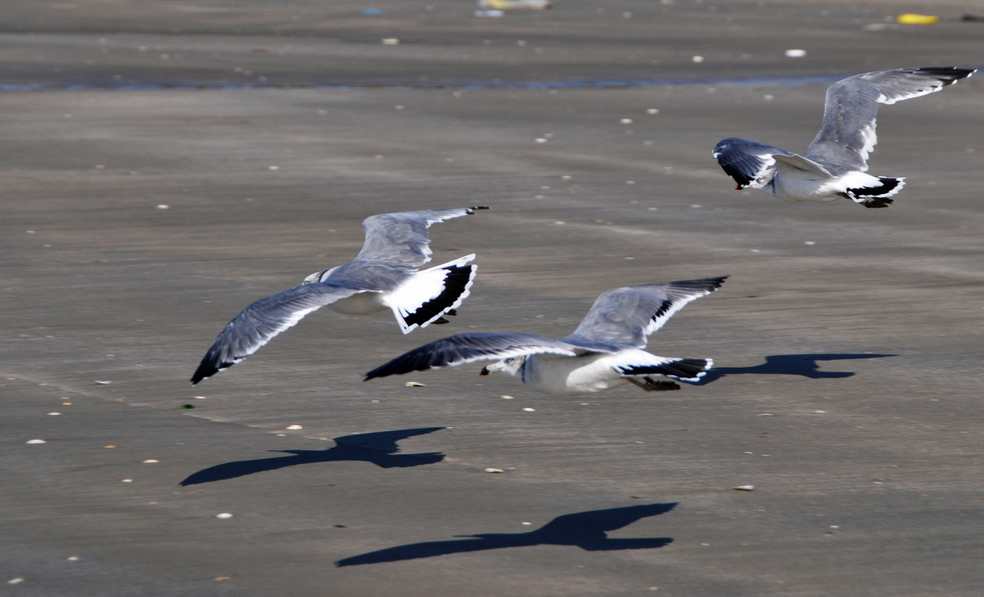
[[948, 75], [473, 209], [708, 284], [377, 372], [203, 372], [209, 366], [698, 285]]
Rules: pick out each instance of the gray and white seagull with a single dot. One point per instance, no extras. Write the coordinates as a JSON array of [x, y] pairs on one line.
[[835, 164], [604, 351], [383, 276]]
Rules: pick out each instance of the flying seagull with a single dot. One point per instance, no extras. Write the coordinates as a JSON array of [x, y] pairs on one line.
[[603, 352], [835, 164], [383, 275]]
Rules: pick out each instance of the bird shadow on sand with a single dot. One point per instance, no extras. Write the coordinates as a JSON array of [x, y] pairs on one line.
[[805, 365], [587, 530], [379, 448]]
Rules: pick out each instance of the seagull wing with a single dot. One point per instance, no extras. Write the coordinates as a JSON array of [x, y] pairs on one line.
[[400, 239], [468, 348], [258, 323], [628, 315], [847, 134], [751, 164]]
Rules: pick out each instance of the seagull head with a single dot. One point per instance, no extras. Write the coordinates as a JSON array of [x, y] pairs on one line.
[[317, 277], [512, 366]]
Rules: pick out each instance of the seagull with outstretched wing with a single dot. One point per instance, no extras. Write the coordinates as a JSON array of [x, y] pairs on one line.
[[604, 351], [384, 275], [835, 164]]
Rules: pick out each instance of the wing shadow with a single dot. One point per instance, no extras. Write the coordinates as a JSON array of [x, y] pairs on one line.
[[587, 530], [805, 365], [378, 448]]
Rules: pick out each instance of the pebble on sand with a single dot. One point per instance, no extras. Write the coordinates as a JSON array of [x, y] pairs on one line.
[[294, 427], [744, 488], [494, 471], [795, 53], [36, 441], [415, 384], [223, 515], [529, 410]]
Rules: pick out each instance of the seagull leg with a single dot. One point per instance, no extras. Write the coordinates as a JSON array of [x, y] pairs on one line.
[[651, 385], [441, 320]]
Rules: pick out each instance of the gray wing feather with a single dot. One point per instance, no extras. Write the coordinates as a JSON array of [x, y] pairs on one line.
[[627, 316], [468, 348], [258, 323], [847, 133], [401, 238]]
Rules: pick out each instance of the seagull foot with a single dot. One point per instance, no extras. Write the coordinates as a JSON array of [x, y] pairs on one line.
[[651, 385], [877, 202]]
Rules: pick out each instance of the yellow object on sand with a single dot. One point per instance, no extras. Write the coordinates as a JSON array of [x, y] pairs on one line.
[[514, 4], [914, 19]]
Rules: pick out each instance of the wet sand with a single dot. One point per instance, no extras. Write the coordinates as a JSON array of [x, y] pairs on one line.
[[147, 199]]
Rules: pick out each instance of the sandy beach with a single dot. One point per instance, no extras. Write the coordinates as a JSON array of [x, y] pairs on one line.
[[165, 164]]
